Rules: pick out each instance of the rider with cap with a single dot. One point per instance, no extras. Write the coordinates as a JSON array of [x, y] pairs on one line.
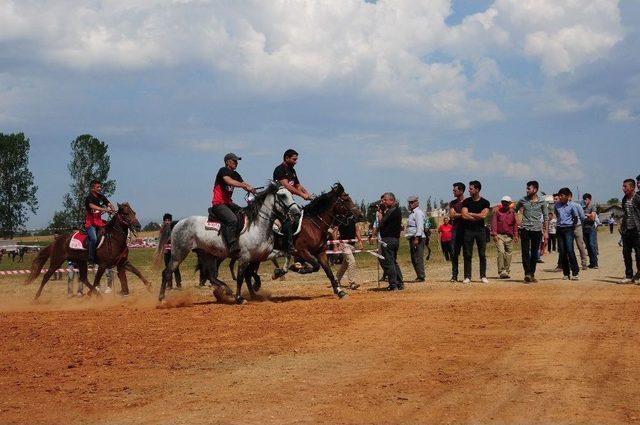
[[222, 206], [285, 173], [95, 205]]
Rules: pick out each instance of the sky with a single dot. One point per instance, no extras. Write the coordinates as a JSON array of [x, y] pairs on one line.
[[387, 95]]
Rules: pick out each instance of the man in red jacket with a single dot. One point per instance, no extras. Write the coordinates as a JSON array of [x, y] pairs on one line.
[[504, 230]]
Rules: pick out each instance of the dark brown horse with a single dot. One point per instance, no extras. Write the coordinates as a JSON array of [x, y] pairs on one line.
[[112, 253], [329, 209]]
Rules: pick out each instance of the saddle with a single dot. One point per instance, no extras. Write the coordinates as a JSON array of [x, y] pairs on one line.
[[214, 223], [80, 240]]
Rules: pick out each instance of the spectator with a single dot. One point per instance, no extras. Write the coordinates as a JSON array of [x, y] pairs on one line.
[[474, 211], [552, 232], [504, 231], [457, 234], [612, 223], [630, 231], [578, 237], [535, 218], [445, 231], [568, 215], [390, 225], [71, 272], [348, 231], [415, 233], [375, 235], [590, 231], [167, 221]]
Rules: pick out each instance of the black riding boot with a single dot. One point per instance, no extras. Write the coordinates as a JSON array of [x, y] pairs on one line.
[[287, 231]]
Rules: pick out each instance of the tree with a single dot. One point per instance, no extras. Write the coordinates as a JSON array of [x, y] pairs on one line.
[[89, 161], [17, 190], [613, 201], [152, 225]]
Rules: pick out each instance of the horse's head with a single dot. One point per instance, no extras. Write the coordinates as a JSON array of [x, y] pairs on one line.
[[127, 216], [345, 207], [285, 205]]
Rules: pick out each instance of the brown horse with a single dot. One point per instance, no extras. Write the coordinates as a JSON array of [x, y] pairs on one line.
[[112, 253], [329, 209]]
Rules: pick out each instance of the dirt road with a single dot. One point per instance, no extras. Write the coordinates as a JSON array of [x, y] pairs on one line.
[[553, 352]]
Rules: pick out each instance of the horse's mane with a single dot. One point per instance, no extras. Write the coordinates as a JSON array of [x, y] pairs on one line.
[[253, 210], [320, 204]]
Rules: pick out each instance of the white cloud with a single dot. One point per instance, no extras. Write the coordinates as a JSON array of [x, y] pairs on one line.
[[622, 115], [561, 34], [553, 163], [376, 52]]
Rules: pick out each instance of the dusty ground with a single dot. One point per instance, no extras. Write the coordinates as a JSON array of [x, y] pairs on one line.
[[553, 352]]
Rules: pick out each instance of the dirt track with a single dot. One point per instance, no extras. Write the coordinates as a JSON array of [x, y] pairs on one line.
[[553, 352]]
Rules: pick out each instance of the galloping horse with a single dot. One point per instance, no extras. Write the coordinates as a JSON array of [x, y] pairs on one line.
[[113, 252], [329, 209], [255, 240]]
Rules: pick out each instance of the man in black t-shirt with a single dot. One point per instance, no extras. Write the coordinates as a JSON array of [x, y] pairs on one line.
[[286, 175], [474, 211], [457, 230]]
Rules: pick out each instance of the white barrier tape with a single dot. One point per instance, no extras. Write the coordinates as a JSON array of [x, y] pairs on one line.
[[17, 272], [341, 241]]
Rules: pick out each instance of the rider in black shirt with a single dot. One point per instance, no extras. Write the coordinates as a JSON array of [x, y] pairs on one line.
[[285, 173]]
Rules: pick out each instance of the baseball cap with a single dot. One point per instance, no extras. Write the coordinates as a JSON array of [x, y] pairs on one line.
[[506, 199], [412, 199], [232, 156]]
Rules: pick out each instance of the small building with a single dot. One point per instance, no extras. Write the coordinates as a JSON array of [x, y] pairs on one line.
[[612, 211]]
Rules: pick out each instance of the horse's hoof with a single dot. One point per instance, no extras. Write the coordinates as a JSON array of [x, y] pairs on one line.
[[240, 300], [277, 273], [343, 295]]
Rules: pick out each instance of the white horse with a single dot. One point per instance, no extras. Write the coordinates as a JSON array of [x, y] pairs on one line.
[[256, 238]]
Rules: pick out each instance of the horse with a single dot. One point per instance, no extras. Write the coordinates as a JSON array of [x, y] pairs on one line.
[[113, 252], [329, 209], [256, 238]]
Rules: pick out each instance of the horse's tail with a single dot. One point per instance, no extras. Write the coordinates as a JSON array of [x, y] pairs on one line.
[[39, 262], [165, 235]]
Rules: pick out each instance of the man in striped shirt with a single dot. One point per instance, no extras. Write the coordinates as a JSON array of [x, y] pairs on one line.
[[630, 230]]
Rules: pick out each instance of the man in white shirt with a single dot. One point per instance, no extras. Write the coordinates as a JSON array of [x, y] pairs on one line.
[[415, 233]]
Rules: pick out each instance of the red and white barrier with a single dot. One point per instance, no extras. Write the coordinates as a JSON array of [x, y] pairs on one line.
[[355, 251], [18, 272]]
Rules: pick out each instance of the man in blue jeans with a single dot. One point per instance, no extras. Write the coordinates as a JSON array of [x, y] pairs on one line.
[[590, 231], [568, 216], [95, 205]]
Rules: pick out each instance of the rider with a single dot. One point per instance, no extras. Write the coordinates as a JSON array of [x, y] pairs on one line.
[[95, 204], [223, 207], [285, 173]]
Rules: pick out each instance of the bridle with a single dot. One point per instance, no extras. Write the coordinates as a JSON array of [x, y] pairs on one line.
[[275, 214], [339, 218], [120, 218]]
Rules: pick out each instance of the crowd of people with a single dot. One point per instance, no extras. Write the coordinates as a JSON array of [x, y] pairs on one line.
[[539, 224]]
